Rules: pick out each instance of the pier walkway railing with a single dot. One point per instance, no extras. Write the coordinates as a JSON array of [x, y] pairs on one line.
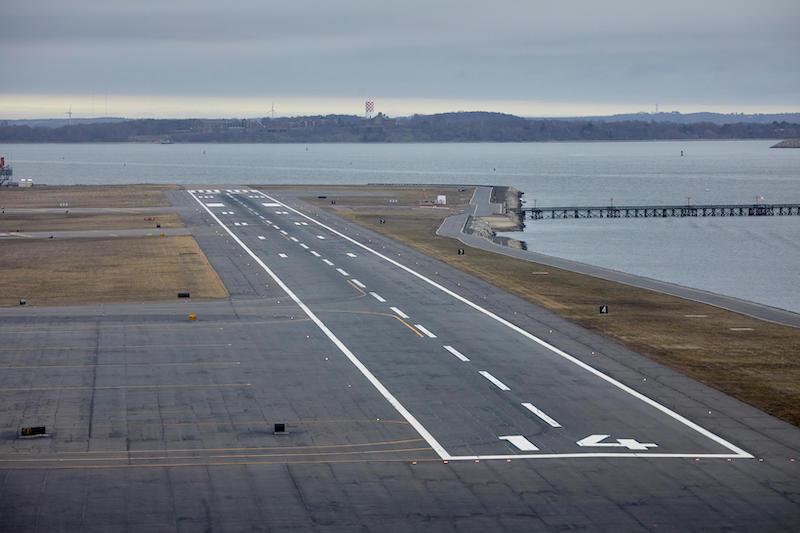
[[662, 211]]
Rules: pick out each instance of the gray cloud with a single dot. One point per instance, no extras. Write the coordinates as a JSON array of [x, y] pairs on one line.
[[725, 52]]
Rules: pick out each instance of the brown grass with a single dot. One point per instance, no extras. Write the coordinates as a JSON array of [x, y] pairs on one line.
[[86, 196], [760, 367], [81, 271], [82, 221]]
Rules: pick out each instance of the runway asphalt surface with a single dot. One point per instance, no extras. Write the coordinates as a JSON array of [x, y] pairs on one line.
[[416, 397]]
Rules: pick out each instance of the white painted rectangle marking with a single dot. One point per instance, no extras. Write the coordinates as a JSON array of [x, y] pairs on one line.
[[398, 311], [350, 254], [499, 384], [342, 272], [456, 353], [425, 330], [327, 262], [315, 254], [304, 246], [354, 280], [276, 227], [293, 239], [284, 256], [541, 414], [244, 223], [236, 224], [296, 223], [304, 223], [520, 442], [377, 297], [284, 232], [261, 237], [320, 237], [215, 205]]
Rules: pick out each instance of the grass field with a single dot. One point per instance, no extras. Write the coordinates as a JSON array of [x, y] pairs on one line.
[[85, 221], [755, 361], [82, 271], [86, 196]]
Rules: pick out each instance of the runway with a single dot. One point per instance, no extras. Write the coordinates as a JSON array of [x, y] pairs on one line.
[[416, 397]]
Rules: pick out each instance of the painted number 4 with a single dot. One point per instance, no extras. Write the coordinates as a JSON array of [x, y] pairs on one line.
[[631, 444]]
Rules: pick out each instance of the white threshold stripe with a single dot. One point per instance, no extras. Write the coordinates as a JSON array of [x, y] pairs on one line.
[[499, 384], [424, 330], [342, 272], [432, 442], [327, 262], [377, 297], [399, 312], [456, 353], [739, 453], [520, 442], [354, 280], [541, 414]]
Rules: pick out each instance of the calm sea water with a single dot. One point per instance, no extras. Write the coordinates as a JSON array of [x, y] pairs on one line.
[[755, 259]]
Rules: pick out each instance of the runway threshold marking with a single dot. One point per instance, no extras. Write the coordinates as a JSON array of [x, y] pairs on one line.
[[376, 383], [738, 453], [458, 354], [497, 383], [520, 442], [541, 414]]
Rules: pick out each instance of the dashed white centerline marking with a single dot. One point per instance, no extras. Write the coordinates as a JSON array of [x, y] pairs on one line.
[[284, 256], [304, 246], [456, 353], [244, 223], [399, 312], [215, 205], [320, 237], [541, 414], [351, 254], [520, 442], [304, 223], [499, 384], [327, 262], [297, 224], [293, 239], [377, 297], [276, 227], [315, 254], [342, 272], [236, 224], [284, 232], [363, 287], [424, 330], [261, 237]]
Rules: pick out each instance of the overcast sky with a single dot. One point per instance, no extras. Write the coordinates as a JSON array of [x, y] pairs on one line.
[[529, 57]]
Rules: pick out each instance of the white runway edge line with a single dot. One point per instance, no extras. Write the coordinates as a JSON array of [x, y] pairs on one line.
[[432, 442], [541, 414], [499, 384], [738, 452], [456, 353]]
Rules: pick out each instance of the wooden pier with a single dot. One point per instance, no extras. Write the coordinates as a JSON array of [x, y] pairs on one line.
[[662, 211]]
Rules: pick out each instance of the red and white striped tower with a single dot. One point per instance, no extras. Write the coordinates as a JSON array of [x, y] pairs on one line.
[[369, 109]]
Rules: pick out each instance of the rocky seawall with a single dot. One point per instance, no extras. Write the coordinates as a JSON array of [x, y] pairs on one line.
[[788, 143], [509, 219]]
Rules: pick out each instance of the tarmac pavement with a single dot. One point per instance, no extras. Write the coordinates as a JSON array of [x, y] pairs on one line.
[[416, 397]]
